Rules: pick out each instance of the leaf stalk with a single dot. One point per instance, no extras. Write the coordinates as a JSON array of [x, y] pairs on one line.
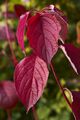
[[35, 113], [9, 113], [59, 84]]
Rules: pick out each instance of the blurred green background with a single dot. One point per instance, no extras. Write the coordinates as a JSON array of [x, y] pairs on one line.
[[52, 105]]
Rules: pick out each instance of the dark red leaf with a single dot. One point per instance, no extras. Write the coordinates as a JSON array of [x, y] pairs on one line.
[[43, 34], [21, 29], [19, 10], [76, 104], [30, 76], [61, 18], [3, 35], [73, 55], [8, 95]]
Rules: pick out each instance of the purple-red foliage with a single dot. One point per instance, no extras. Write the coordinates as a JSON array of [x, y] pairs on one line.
[[8, 95], [44, 29]]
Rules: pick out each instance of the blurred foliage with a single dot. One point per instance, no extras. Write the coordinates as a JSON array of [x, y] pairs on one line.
[[52, 105]]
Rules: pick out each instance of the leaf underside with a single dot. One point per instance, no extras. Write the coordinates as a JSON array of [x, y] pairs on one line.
[[73, 55]]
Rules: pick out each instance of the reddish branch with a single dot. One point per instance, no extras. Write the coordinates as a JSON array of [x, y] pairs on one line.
[[14, 60], [59, 84]]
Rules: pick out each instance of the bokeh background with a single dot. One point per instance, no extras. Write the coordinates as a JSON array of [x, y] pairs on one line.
[[52, 105]]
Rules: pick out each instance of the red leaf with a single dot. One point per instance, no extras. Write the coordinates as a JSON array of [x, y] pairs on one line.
[[30, 75], [73, 55], [21, 29], [43, 33], [51, 9], [76, 104], [8, 95], [3, 35], [64, 27], [19, 10]]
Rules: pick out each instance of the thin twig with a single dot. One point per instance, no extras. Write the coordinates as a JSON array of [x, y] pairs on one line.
[[14, 60], [59, 84]]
